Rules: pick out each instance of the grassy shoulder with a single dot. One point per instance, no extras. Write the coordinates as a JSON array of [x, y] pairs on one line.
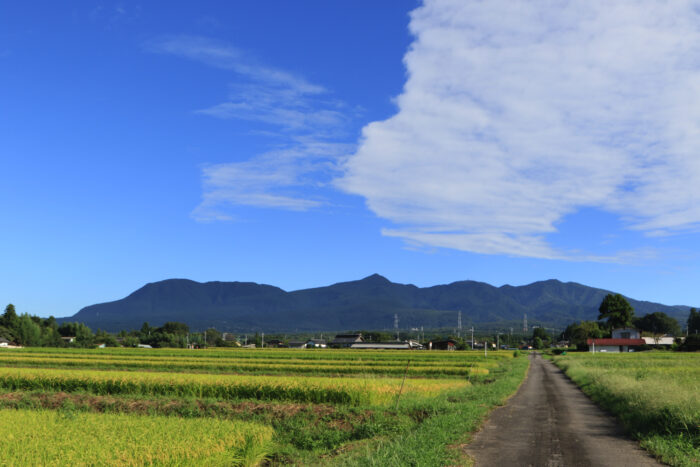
[[447, 421], [654, 394]]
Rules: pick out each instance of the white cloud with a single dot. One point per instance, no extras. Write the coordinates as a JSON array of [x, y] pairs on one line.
[[517, 113]]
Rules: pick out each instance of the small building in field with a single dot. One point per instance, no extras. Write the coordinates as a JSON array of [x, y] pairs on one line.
[[4, 342], [447, 344], [345, 340], [396, 345], [68, 339], [662, 340], [316, 344], [274, 343], [229, 337], [297, 344]]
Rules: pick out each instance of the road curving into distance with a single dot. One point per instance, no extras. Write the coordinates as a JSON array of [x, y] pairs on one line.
[[551, 423]]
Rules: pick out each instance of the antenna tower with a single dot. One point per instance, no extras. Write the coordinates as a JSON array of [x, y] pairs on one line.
[[459, 325], [525, 322]]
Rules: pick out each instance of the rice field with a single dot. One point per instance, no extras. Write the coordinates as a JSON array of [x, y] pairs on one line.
[[656, 395], [245, 406]]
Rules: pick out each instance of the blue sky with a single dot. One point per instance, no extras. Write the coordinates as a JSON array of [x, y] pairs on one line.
[[305, 143]]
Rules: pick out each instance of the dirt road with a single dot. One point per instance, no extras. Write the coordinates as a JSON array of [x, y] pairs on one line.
[[550, 423]]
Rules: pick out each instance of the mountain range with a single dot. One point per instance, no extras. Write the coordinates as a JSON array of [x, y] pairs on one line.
[[369, 303]]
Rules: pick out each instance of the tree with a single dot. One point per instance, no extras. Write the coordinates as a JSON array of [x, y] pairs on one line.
[[28, 332], [617, 310], [579, 333], [544, 339], [694, 321], [658, 323], [173, 327], [10, 319]]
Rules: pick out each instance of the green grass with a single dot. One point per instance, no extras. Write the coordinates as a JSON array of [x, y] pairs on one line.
[[656, 395]]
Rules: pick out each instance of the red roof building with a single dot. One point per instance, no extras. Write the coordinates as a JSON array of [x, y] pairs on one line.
[[613, 345]]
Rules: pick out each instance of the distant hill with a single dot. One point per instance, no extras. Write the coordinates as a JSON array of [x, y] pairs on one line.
[[369, 303]]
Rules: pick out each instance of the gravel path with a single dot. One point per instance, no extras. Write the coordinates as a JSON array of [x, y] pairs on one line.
[[551, 423]]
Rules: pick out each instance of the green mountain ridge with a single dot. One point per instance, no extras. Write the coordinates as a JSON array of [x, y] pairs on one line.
[[369, 303]]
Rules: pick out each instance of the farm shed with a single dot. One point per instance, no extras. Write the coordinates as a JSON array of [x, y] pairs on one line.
[[316, 343], [345, 340], [297, 344], [448, 344], [382, 345]]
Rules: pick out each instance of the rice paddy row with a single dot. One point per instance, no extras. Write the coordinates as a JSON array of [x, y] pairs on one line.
[[355, 391], [304, 407], [297, 366]]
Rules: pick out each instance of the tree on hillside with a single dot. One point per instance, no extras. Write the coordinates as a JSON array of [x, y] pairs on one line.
[[694, 321], [617, 310], [658, 323]]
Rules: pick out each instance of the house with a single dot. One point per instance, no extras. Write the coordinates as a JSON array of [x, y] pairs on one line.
[[274, 343], [68, 339], [622, 340], [4, 342], [144, 346], [297, 344], [345, 340], [316, 344], [448, 344]]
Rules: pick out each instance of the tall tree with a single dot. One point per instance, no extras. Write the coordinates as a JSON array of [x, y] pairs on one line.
[[617, 310], [658, 323], [10, 319], [694, 321]]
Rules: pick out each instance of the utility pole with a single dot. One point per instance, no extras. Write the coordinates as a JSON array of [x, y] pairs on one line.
[[459, 324], [472, 337], [262, 342], [396, 325], [525, 323]]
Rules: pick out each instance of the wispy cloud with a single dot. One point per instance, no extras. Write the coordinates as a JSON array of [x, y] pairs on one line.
[[294, 109], [222, 55], [518, 113], [276, 179]]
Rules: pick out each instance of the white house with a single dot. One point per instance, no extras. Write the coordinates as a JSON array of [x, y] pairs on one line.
[[626, 333], [622, 340]]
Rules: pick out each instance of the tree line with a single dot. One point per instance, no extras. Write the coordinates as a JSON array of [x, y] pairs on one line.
[[616, 312]]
